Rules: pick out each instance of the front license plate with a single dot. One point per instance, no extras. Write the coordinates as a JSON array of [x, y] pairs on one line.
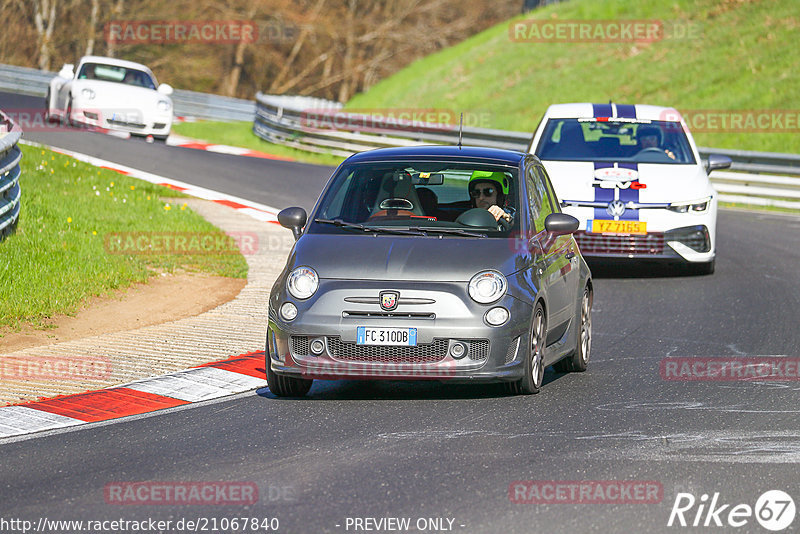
[[367, 335], [617, 227]]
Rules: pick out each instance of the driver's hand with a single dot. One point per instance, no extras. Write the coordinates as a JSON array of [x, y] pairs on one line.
[[669, 153], [498, 212]]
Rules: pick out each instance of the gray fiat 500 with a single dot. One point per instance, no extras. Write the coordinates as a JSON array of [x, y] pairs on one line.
[[443, 263]]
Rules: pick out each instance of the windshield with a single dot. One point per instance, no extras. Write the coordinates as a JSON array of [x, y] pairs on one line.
[[423, 198], [112, 73], [624, 141]]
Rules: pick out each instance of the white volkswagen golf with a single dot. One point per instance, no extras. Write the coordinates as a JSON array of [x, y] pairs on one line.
[[632, 176]]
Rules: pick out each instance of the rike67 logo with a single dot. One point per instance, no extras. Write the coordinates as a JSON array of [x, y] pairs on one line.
[[774, 510]]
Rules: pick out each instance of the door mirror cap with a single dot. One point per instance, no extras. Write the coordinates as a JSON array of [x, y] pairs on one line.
[[165, 89], [294, 219], [717, 162], [560, 224]]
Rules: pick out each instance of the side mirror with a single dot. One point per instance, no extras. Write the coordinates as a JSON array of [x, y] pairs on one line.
[[67, 71], [717, 162], [560, 224], [294, 219], [165, 89]]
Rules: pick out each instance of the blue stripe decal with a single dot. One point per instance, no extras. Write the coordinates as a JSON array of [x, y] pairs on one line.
[[601, 110], [602, 195], [626, 111], [629, 195]]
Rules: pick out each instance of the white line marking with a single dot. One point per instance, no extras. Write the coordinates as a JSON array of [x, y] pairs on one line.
[[16, 420], [199, 384]]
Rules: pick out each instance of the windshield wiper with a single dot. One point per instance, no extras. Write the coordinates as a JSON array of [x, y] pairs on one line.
[[456, 231], [400, 230]]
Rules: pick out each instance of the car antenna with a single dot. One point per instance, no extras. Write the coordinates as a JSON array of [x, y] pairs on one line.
[[460, 128]]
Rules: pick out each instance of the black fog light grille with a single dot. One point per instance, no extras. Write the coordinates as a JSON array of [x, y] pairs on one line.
[[694, 237], [299, 345], [479, 349]]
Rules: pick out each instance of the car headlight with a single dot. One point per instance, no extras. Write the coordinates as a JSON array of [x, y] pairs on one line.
[[87, 93], [698, 206], [163, 105], [487, 287], [302, 282]]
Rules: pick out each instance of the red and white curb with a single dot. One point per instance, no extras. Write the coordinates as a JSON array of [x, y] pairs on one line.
[[260, 212], [206, 382], [185, 142]]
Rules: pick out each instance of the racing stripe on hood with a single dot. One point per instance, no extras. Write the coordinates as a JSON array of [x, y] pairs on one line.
[[600, 194], [629, 195], [607, 195]]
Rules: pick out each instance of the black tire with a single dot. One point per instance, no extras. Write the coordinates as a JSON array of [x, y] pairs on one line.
[[531, 382], [47, 117], [66, 119], [579, 359], [703, 269], [285, 386]]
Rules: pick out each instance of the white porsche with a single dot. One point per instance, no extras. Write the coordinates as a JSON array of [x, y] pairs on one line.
[[113, 94], [632, 176]]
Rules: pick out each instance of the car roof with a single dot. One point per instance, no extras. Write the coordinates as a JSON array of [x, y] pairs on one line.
[[446, 152], [587, 110], [115, 62]]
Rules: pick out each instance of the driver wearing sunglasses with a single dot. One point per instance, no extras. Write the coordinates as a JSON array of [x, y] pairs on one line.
[[489, 190]]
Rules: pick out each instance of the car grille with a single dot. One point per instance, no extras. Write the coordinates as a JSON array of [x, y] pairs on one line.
[[479, 349], [423, 353], [126, 124], [299, 345], [512, 351], [590, 244]]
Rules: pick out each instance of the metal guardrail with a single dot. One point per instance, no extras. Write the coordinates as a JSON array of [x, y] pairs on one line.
[[187, 103], [10, 171], [321, 126]]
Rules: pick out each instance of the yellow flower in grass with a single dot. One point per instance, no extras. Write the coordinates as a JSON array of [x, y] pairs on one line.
[[133, 187], [69, 220], [167, 207]]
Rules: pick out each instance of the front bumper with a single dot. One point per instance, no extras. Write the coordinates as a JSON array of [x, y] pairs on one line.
[[491, 353], [691, 244], [135, 122]]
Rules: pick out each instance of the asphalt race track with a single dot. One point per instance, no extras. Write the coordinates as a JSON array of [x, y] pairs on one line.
[[429, 450]]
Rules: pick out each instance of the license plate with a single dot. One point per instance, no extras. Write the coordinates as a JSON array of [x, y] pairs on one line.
[[368, 335], [617, 227]]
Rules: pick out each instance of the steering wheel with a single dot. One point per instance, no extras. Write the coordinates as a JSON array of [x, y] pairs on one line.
[[651, 149]]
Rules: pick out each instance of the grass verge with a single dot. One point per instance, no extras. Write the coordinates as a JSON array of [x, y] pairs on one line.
[[62, 252], [240, 134]]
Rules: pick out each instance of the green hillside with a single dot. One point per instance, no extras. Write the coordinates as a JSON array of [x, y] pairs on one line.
[[743, 55]]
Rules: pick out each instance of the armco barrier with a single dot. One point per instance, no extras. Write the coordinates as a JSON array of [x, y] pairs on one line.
[[10, 192], [187, 103], [302, 123]]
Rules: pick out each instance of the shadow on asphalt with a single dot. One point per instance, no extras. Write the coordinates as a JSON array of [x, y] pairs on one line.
[[404, 390], [624, 269]]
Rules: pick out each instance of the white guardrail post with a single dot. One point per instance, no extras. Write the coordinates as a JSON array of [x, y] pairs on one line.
[[10, 191]]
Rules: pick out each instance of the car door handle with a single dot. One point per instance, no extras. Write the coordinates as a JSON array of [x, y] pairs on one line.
[[569, 255]]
